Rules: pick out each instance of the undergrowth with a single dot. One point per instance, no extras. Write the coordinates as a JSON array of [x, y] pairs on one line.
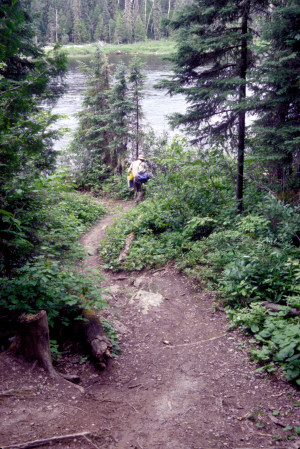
[[190, 217], [50, 278]]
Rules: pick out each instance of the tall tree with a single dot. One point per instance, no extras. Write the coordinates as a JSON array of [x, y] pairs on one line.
[[157, 16], [137, 83], [118, 120], [27, 77], [210, 69], [276, 95], [139, 31], [91, 142]]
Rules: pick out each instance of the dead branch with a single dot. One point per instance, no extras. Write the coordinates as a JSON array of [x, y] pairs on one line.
[[125, 250], [43, 442], [195, 342], [276, 308]]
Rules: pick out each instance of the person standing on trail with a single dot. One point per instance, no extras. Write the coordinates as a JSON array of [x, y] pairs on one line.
[[138, 167]]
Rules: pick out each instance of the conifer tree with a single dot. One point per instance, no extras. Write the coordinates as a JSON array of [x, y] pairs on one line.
[[139, 30], [118, 120], [27, 77], [137, 82], [211, 66], [91, 143], [276, 98], [120, 34]]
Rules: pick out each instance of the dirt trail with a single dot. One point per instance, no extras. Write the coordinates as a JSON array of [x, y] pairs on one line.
[[181, 382]]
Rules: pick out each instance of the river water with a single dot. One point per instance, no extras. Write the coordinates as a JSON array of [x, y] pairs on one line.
[[156, 103]]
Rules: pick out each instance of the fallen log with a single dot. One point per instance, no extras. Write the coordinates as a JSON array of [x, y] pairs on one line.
[[276, 308], [100, 345]]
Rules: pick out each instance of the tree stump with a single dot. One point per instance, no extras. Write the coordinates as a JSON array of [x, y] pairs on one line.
[[34, 341]]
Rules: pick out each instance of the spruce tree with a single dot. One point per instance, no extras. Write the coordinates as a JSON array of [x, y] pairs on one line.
[[27, 77], [91, 142], [276, 94], [118, 120], [210, 69], [120, 34], [139, 30], [137, 83]]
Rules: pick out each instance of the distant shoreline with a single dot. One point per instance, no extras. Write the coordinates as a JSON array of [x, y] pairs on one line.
[[161, 47]]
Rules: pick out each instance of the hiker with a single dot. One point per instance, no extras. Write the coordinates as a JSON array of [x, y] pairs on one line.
[[137, 167]]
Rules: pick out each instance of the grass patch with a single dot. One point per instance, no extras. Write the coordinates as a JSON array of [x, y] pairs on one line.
[[161, 47]]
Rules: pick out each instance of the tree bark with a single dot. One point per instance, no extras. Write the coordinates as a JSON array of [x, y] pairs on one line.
[[241, 122], [99, 343], [34, 340]]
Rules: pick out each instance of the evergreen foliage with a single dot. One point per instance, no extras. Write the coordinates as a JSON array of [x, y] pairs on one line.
[[210, 69], [136, 82], [104, 20], [27, 77], [90, 146], [110, 126], [121, 107], [40, 219], [276, 99], [227, 64]]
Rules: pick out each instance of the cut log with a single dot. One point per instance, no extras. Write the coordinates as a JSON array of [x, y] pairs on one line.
[[276, 308], [100, 344], [34, 342]]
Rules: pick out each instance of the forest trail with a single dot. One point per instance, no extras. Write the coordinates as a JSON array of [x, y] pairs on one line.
[[182, 380]]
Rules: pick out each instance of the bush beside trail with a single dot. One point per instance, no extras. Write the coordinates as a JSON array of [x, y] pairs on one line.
[[190, 217], [50, 279]]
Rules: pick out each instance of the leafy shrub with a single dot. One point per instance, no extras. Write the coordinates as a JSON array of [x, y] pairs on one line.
[[116, 186], [44, 284], [65, 220], [278, 337], [264, 273], [50, 279]]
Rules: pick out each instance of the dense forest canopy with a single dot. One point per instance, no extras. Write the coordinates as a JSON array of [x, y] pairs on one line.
[[114, 21]]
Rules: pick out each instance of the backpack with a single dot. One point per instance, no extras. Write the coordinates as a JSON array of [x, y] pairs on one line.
[[142, 178]]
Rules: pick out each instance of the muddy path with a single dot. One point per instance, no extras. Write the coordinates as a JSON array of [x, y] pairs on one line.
[[182, 380]]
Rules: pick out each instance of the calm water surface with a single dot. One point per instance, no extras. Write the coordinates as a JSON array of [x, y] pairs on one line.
[[156, 103]]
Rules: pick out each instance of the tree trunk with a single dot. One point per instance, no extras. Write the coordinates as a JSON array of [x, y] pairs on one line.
[[241, 123], [137, 128], [34, 340]]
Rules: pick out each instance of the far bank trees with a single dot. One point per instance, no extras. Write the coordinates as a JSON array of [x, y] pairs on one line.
[[115, 21]]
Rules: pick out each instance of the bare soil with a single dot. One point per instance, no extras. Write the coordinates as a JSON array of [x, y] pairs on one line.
[[182, 380]]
